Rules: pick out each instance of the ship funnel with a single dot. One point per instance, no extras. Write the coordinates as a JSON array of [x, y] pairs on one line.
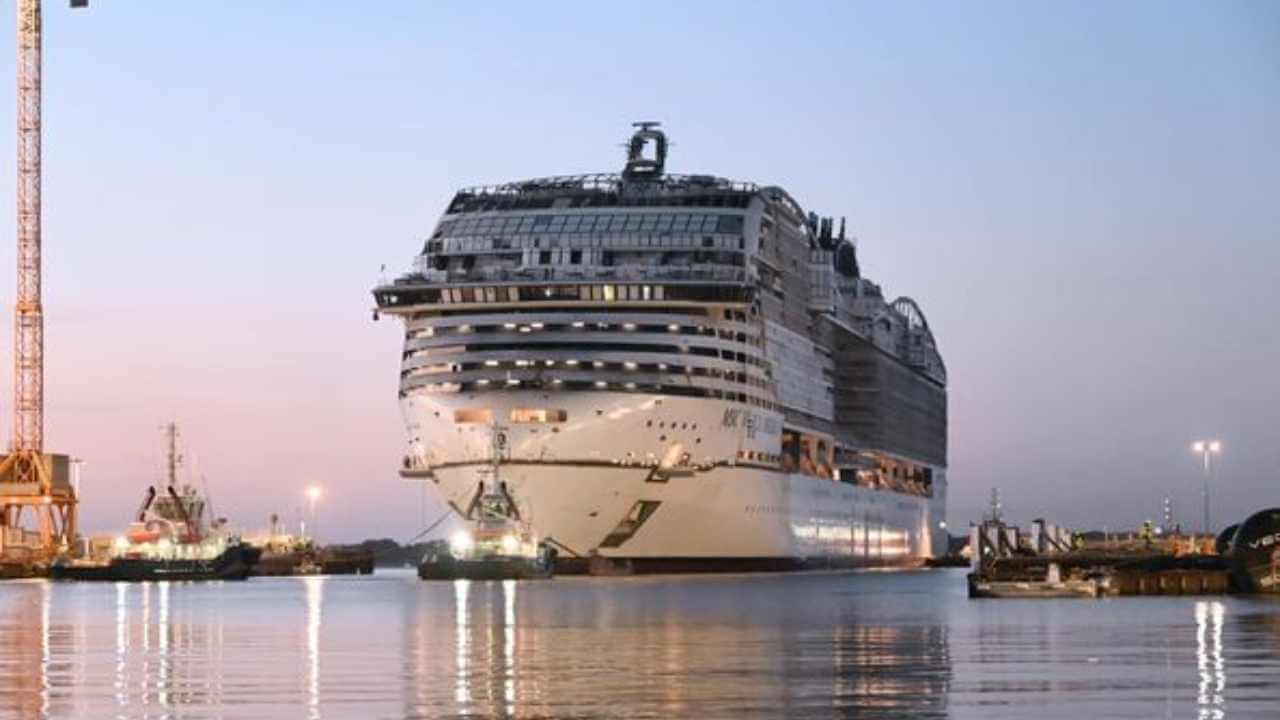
[[642, 167]]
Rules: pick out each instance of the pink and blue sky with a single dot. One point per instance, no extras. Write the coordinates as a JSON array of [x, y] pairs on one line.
[[1082, 197]]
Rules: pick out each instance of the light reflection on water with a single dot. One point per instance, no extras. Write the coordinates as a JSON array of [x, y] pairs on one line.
[[861, 645]]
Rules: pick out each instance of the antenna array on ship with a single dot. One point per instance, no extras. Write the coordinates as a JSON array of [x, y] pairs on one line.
[[31, 479]]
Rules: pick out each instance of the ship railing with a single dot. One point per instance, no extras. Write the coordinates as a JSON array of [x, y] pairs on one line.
[[607, 182], [580, 273]]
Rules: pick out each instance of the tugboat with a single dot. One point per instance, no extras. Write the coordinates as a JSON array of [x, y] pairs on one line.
[[169, 540], [497, 545]]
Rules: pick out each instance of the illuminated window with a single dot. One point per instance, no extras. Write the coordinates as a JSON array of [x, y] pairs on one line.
[[538, 415], [473, 415]]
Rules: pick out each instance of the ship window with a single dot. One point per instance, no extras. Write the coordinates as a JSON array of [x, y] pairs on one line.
[[473, 415], [649, 222], [526, 224], [538, 415], [541, 222], [730, 224], [575, 257], [664, 223], [571, 223], [633, 223], [557, 222]]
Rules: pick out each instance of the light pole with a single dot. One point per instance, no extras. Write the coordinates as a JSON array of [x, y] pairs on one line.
[[313, 495], [1207, 449]]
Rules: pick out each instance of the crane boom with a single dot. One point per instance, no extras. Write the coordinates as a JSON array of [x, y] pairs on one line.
[[28, 386]]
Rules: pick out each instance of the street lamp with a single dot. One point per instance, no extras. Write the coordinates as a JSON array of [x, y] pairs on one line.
[[313, 495], [1207, 449]]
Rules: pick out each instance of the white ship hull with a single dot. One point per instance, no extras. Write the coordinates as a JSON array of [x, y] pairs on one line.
[[576, 480]]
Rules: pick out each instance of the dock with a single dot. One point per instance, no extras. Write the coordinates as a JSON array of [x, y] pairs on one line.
[[1049, 562]]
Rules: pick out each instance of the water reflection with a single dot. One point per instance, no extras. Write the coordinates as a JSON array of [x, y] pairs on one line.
[[1213, 670], [315, 598], [842, 645], [485, 669], [674, 647], [891, 671], [24, 661], [462, 689]]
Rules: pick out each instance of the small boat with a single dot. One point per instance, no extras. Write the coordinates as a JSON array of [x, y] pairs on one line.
[[287, 554], [496, 545], [168, 541]]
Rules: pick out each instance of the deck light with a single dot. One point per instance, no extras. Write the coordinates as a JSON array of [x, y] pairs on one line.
[[460, 542]]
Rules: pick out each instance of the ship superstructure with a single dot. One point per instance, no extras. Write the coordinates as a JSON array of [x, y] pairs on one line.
[[687, 372]]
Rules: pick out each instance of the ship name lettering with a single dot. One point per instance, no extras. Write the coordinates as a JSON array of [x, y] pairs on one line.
[[1263, 542]]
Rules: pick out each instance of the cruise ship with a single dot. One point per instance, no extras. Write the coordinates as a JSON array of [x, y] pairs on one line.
[[676, 372]]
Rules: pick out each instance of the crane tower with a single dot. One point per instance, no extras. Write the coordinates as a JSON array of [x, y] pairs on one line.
[[30, 478]]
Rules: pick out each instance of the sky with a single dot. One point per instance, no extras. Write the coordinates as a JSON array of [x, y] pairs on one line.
[[1083, 197]]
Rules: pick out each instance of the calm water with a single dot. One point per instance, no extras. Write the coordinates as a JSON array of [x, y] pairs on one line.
[[816, 645]]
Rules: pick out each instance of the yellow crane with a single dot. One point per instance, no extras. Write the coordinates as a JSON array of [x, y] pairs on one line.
[[31, 479]]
